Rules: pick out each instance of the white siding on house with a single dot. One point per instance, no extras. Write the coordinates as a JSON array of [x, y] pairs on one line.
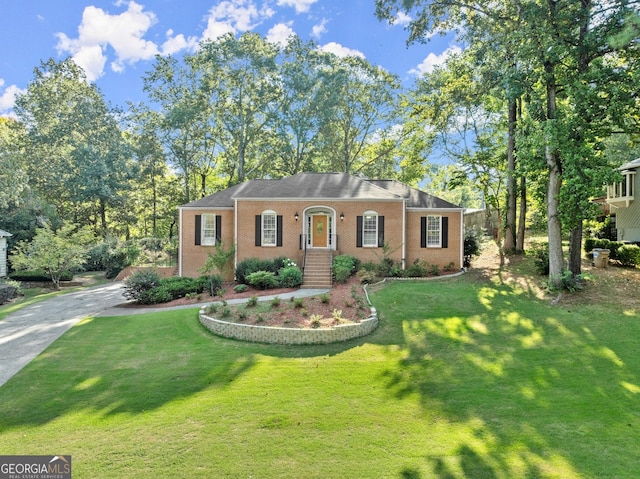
[[628, 219], [3, 257]]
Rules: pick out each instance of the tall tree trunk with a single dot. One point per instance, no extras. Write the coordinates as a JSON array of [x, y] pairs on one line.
[[523, 216], [103, 218], [575, 250], [510, 224], [552, 157]]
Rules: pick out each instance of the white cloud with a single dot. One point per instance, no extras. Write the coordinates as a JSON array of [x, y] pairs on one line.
[[319, 29], [402, 19], [280, 33], [99, 29], [341, 51], [8, 98], [178, 43], [231, 16], [433, 60], [301, 6]]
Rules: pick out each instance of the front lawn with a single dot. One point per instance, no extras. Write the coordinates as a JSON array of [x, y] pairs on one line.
[[464, 378]]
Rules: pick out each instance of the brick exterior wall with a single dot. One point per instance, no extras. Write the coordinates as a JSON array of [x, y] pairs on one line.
[[193, 257]]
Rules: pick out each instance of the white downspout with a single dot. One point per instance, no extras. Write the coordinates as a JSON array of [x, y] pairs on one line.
[[180, 242], [404, 234], [461, 238], [235, 234]]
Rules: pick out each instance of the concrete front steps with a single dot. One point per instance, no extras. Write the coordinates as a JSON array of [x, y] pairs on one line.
[[317, 269]]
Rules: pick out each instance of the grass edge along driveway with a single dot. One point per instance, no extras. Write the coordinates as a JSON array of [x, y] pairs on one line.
[[463, 379]]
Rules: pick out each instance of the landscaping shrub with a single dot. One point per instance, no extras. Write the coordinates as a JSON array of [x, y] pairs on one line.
[[139, 283], [179, 287], [252, 265], [212, 283], [366, 276], [290, 277], [41, 276], [240, 288], [155, 295], [471, 247], [112, 256], [343, 267], [540, 254], [418, 269], [629, 255], [262, 279]]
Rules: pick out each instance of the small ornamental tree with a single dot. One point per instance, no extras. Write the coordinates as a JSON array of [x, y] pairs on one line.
[[54, 252]]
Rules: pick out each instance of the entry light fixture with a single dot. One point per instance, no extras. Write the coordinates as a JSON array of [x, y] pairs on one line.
[[296, 216], [342, 216]]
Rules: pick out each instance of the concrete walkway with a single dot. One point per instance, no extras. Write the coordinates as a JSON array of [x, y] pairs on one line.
[[30, 330]]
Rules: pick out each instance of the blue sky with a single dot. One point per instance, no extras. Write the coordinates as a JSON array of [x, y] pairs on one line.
[[115, 40]]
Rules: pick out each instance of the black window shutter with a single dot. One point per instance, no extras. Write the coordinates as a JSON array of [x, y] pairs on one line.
[[218, 228], [279, 230], [198, 231], [423, 232], [380, 231], [258, 230], [359, 232], [445, 231]]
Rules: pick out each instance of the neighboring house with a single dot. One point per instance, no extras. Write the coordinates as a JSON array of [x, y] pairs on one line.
[[621, 196], [3, 252], [326, 214]]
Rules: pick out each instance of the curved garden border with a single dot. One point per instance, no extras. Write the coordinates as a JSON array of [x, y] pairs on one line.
[[274, 335]]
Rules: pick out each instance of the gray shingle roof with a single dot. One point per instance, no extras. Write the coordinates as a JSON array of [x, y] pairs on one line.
[[321, 186], [415, 198]]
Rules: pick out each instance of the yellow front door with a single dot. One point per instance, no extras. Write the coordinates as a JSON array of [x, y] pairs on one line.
[[319, 225]]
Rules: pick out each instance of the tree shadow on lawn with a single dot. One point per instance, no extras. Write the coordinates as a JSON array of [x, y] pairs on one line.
[[540, 391], [133, 364]]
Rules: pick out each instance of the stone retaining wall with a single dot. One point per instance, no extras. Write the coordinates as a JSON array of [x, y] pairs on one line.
[[271, 335]]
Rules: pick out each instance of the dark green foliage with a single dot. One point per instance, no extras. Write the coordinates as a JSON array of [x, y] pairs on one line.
[[38, 276], [252, 265], [417, 270], [629, 255], [540, 254], [471, 247], [262, 280], [179, 287], [241, 288], [613, 246], [290, 277], [343, 267], [112, 256], [155, 295], [139, 283], [212, 283]]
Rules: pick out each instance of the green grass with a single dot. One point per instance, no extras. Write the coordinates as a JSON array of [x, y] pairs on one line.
[[461, 380]]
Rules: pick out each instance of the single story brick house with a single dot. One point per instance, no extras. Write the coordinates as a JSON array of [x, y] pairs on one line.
[[330, 213]]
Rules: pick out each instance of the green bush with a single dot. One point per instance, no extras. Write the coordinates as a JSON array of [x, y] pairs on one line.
[[629, 255], [262, 280], [179, 287], [540, 254], [139, 283], [418, 269], [252, 265], [240, 288], [290, 277], [112, 256], [41, 276], [155, 296], [343, 267]]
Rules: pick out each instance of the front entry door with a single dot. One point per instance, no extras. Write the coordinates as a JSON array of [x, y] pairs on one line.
[[319, 226]]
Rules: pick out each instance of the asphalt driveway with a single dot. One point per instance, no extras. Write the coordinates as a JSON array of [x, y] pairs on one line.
[[30, 330]]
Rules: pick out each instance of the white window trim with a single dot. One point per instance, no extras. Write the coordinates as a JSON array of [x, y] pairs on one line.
[[275, 228], [207, 240], [439, 244], [364, 236]]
